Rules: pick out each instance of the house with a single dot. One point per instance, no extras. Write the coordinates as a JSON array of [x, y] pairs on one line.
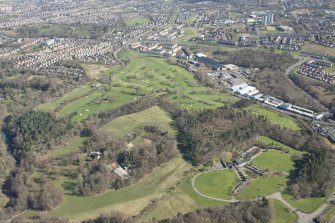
[[122, 173]]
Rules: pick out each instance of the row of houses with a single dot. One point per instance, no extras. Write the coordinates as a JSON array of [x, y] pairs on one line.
[[314, 70]]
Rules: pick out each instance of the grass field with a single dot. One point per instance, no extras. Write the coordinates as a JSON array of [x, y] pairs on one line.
[[318, 48], [271, 142], [184, 199], [140, 20], [305, 205], [151, 116], [94, 70], [129, 200], [72, 95], [72, 146], [216, 184], [276, 118], [152, 75], [96, 101], [274, 161], [263, 186], [280, 213]]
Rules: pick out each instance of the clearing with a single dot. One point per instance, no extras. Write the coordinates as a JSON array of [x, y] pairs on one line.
[[151, 116]]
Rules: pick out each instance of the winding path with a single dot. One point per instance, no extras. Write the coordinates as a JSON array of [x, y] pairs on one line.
[[302, 216]]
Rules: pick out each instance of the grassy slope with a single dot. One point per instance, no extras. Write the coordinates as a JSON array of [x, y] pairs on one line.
[[129, 200], [94, 70], [73, 146], [306, 205], [275, 117], [216, 184], [86, 106], [281, 214], [184, 199], [269, 141], [263, 187], [151, 116], [275, 161], [76, 93]]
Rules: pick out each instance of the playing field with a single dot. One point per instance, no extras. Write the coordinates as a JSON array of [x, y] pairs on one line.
[[306, 205], [129, 200], [281, 213], [274, 161], [151, 116], [275, 117], [285, 148], [140, 20], [217, 184], [263, 186]]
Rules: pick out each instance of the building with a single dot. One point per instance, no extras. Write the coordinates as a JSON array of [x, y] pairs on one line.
[[122, 173]]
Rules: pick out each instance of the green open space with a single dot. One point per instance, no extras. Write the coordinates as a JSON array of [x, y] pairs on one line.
[[217, 184], [151, 116], [74, 145], [57, 30], [285, 148], [274, 161], [318, 48], [276, 118], [281, 213], [263, 186], [149, 74], [128, 200], [306, 205], [183, 199], [95, 70], [139, 20], [72, 95], [97, 101]]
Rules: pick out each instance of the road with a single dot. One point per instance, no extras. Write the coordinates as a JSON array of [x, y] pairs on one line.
[[302, 216]]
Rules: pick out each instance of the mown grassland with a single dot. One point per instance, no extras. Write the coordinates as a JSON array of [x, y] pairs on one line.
[[281, 213], [285, 148], [262, 187], [217, 184], [274, 161], [306, 205]]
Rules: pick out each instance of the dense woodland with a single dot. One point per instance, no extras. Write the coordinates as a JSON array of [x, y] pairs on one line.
[[251, 212], [32, 134], [96, 176], [255, 59], [314, 174], [323, 92]]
